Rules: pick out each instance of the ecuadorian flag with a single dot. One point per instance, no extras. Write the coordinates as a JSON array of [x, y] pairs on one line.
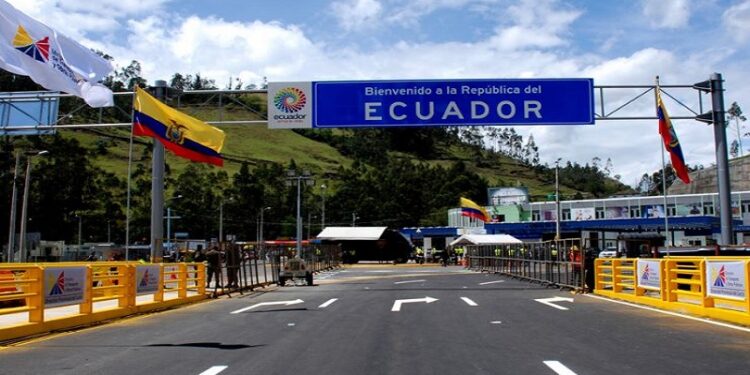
[[181, 134], [473, 210]]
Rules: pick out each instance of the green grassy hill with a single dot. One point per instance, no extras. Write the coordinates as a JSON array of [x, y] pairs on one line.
[[255, 143]]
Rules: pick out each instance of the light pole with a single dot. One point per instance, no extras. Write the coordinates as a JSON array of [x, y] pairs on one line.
[[261, 242], [293, 178], [169, 222], [13, 199], [310, 216], [557, 199], [323, 207], [80, 231], [22, 240], [354, 218]]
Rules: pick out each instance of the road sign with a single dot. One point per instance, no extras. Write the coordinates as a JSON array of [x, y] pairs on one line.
[[431, 103]]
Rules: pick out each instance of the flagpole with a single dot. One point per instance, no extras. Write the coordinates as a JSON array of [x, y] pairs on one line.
[[657, 95], [130, 163]]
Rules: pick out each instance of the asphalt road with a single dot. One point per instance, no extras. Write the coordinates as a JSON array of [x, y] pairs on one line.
[[377, 320]]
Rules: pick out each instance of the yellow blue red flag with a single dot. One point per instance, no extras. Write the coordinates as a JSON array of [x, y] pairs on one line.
[[473, 210], [671, 143], [183, 135]]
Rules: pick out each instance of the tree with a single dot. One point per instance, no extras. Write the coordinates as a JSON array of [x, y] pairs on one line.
[[735, 113]]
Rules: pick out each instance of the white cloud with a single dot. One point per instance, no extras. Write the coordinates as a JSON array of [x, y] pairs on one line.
[[736, 19], [667, 14], [357, 14], [531, 39], [535, 24]]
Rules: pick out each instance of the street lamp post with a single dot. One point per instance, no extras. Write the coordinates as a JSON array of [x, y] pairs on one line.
[[293, 178], [169, 223], [24, 208], [557, 200], [14, 198], [80, 232], [354, 218], [261, 243], [323, 207]]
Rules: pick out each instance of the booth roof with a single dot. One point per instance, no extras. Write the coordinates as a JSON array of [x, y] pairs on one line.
[[351, 233], [485, 239]]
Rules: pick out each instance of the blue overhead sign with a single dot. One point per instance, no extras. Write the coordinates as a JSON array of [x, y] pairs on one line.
[[431, 103]]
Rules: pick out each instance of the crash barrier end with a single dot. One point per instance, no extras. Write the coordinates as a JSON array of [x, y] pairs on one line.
[[712, 287], [45, 297]]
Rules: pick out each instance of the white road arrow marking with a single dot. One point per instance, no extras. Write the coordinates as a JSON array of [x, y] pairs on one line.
[[559, 368], [328, 303], [397, 303], [469, 302], [409, 281], [286, 303], [550, 302], [492, 282]]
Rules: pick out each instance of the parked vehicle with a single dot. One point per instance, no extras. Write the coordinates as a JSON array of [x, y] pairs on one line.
[[295, 269]]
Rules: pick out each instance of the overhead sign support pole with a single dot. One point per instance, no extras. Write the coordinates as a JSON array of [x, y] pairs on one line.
[[715, 85]]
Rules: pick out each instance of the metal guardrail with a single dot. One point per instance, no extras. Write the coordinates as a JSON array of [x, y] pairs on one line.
[[713, 287], [549, 262]]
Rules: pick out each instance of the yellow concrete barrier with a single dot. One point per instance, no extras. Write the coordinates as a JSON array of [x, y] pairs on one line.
[[713, 287], [44, 297]]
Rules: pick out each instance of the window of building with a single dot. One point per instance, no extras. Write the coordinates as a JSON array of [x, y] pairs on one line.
[[708, 209], [671, 210], [535, 216], [566, 214], [745, 207], [600, 213], [635, 212]]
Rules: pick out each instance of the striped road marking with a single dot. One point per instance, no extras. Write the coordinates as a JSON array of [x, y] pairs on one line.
[[492, 282], [469, 302], [328, 303], [559, 368], [214, 370], [409, 281]]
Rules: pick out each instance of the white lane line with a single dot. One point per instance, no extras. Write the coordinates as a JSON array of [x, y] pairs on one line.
[[469, 302], [328, 303], [720, 324], [559, 368], [214, 370], [495, 322], [409, 281], [492, 282]]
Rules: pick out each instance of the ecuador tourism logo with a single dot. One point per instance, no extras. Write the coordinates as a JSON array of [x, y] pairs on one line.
[[721, 277], [36, 49], [290, 105], [644, 275], [290, 100]]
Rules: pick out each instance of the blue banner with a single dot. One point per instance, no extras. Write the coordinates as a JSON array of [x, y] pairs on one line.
[[453, 103]]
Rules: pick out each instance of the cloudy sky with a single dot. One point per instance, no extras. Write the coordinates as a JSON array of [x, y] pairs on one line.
[[618, 42]]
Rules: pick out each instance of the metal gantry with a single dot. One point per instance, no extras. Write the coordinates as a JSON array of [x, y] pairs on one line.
[[612, 102]]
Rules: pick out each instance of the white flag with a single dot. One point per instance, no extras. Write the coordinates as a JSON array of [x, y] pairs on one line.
[[56, 62]]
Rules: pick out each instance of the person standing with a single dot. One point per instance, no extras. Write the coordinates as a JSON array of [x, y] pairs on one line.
[[213, 258]]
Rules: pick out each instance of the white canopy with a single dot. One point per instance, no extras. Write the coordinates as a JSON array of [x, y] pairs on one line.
[[486, 239], [351, 233]]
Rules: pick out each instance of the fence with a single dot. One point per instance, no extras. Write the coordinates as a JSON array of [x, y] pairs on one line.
[[38, 298], [714, 287], [558, 263], [246, 270]]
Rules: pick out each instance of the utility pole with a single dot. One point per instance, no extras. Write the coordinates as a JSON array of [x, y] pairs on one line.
[[14, 198], [157, 185]]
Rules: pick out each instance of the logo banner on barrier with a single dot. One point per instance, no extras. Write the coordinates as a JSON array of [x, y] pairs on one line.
[[725, 279], [146, 279], [64, 285], [423, 103], [649, 274]]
